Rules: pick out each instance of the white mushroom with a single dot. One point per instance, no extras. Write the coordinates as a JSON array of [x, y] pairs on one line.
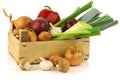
[[45, 64], [24, 64]]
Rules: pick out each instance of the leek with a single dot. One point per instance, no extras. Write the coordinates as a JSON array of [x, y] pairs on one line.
[[80, 29], [74, 14], [92, 13]]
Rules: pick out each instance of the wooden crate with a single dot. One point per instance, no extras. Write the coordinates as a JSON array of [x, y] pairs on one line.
[[33, 50]]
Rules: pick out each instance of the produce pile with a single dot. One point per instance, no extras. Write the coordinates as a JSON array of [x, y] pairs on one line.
[[48, 25], [72, 57]]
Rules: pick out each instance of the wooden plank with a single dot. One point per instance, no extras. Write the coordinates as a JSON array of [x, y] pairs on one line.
[[13, 46], [34, 50]]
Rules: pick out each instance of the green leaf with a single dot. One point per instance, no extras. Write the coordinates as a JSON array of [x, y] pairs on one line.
[[74, 14]]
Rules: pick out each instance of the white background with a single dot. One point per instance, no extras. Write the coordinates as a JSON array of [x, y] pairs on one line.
[[104, 61]]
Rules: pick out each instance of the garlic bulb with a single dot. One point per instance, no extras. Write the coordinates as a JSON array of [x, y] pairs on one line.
[[55, 30]]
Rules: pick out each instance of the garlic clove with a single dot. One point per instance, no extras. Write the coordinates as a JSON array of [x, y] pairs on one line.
[[55, 30]]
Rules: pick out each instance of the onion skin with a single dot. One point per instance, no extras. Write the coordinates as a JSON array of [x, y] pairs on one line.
[[74, 56], [39, 25], [22, 22], [69, 24]]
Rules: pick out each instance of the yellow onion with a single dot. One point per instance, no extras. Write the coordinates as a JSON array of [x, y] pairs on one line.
[[22, 22], [74, 56]]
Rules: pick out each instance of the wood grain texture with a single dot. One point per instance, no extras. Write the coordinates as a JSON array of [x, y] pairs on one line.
[[13, 46]]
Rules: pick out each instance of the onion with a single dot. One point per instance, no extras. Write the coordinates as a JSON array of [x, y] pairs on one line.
[[74, 56], [22, 22], [39, 25]]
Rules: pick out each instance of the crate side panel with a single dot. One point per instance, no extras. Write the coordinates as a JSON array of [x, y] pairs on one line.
[[85, 44], [45, 48], [13, 46]]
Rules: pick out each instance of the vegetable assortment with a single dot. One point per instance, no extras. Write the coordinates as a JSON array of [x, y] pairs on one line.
[[49, 26], [75, 13], [72, 57]]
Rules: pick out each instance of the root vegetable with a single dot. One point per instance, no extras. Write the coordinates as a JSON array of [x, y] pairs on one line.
[[39, 25], [74, 56], [44, 36], [22, 22], [69, 24]]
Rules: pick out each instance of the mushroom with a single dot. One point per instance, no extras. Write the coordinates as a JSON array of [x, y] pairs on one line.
[[24, 64], [45, 64], [63, 65]]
